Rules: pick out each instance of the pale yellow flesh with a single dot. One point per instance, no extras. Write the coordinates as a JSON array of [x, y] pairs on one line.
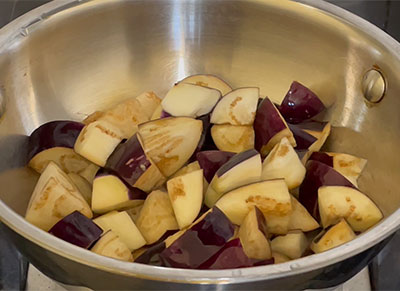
[[109, 193], [271, 197], [348, 165], [128, 114], [157, 113], [54, 197], [110, 245], [246, 172], [292, 245], [335, 236], [321, 137], [151, 179], [123, 226], [255, 243], [186, 195], [201, 100], [97, 141], [276, 139], [238, 107], [148, 102], [336, 202], [209, 81], [170, 142], [156, 216], [300, 218], [194, 166], [280, 258], [233, 138], [66, 158], [283, 162]]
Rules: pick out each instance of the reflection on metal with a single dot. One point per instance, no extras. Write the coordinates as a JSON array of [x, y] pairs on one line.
[[373, 86], [2, 102]]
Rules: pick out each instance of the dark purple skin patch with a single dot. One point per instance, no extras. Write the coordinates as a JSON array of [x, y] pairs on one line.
[[303, 139], [165, 114], [267, 123], [152, 255], [232, 256], [211, 161], [300, 104], [77, 229], [200, 242], [59, 133], [301, 153], [261, 222], [318, 174], [322, 157], [204, 138], [129, 160], [236, 160]]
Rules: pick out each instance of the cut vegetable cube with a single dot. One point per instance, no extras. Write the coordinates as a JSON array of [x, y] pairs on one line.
[[97, 141], [110, 193], [190, 100], [186, 195], [253, 235], [293, 244], [300, 104], [110, 245], [336, 202], [170, 142], [54, 197], [271, 197], [301, 219], [270, 128], [238, 107], [317, 175], [131, 164], [283, 162], [156, 217], [77, 229], [123, 226], [333, 237], [243, 168], [233, 138]]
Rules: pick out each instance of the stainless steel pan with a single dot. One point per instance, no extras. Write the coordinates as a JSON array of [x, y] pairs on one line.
[[69, 58]]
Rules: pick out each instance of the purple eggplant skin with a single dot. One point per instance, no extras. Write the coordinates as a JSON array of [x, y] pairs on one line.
[[301, 153], [165, 114], [267, 123], [236, 160], [59, 133], [129, 160], [318, 174], [300, 104], [303, 139], [261, 222], [204, 138], [232, 256], [322, 157], [152, 255], [77, 229], [211, 161], [133, 192], [199, 243]]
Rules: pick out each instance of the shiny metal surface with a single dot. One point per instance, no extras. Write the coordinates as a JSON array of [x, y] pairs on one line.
[[69, 58]]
